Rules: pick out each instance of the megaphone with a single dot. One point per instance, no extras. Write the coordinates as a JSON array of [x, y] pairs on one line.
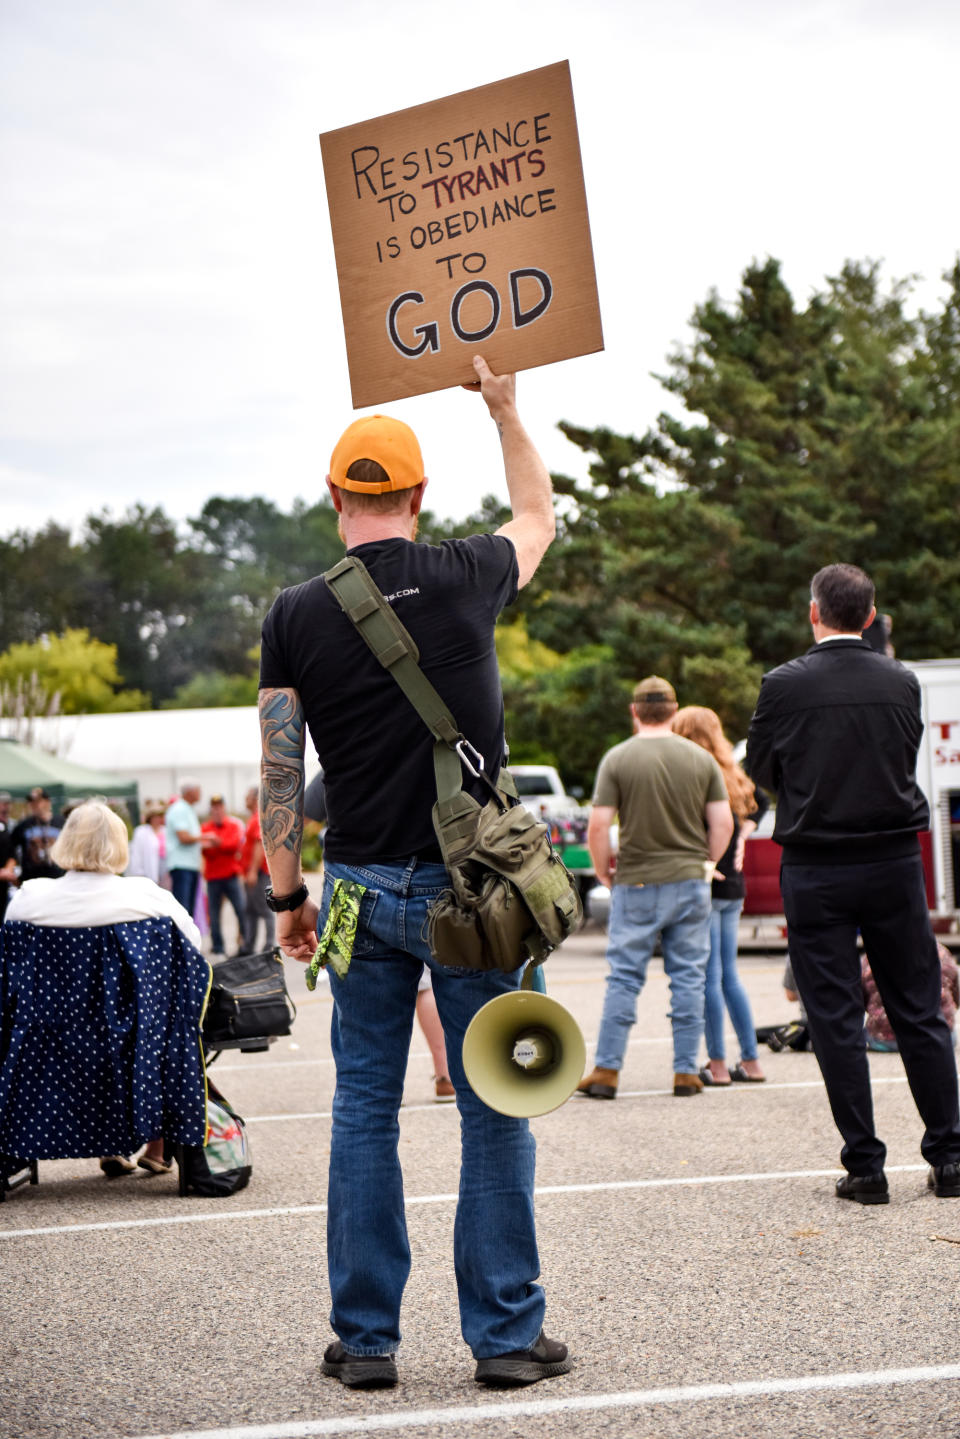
[[523, 1053]]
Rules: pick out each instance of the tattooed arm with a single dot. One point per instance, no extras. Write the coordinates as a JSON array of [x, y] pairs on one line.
[[282, 736]]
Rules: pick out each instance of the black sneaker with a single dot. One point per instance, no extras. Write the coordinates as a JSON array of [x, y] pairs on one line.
[[359, 1371], [546, 1359], [864, 1188], [944, 1180]]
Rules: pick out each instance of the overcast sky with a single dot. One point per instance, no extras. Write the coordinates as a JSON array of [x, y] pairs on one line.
[[170, 325]]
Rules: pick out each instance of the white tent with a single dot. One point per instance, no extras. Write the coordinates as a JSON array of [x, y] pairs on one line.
[[220, 748]]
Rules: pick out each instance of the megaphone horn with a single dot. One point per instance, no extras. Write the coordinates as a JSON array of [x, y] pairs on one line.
[[523, 1054]]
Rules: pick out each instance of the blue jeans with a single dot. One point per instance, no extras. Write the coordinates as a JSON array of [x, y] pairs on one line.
[[255, 909], [679, 914], [723, 983], [368, 1253], [219, 890], [184, 885]]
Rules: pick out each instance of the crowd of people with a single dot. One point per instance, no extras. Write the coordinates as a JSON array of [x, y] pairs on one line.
[[203, 862], [834, 735]]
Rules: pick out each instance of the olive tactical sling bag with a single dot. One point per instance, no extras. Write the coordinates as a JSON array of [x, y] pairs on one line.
[[511, 897]]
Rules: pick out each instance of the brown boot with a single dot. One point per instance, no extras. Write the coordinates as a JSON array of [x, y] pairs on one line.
[[687, 1084], [599, 1084]]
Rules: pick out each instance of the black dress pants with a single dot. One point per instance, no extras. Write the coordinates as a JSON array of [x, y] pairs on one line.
[[825, 905]]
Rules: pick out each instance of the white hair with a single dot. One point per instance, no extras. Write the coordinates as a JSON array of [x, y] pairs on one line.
[[93, 839]]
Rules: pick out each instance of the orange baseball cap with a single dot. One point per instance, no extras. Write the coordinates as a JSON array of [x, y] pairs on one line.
[[390, 443]]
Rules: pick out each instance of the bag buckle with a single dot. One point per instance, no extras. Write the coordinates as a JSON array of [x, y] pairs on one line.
[[460, 746]]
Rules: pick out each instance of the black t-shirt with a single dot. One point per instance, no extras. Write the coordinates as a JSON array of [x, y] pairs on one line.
[[32, 841], [376, 751], [734, 884]]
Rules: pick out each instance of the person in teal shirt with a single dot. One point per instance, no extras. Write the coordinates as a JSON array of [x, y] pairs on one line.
[[185, 845]]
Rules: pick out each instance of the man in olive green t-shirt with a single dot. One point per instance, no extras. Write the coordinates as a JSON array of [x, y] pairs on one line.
[[675, 822]]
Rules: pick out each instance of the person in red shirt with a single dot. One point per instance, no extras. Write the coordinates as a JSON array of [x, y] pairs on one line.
[[221, 870], [256, 877]]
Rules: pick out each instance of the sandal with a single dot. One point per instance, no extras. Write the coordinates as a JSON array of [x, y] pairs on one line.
[[706, 1074], [740, 1074]]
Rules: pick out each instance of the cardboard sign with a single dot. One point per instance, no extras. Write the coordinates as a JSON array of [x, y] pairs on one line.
[[460, 227]]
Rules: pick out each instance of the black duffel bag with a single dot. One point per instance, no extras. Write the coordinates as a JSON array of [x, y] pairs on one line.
[[248, 999]]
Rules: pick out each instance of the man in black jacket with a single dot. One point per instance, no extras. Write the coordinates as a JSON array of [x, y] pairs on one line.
[[835, 734]]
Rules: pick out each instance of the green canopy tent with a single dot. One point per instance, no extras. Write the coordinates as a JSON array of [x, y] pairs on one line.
[[22, 768]]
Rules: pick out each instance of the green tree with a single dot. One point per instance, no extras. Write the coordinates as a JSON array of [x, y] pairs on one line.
[[42, 579], [80, 670], [810, 435], [144, 590], [213, 690], [176, 605], [252, 550], [568, 713]]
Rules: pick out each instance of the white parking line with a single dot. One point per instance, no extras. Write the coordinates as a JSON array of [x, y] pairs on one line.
[[251, 1067], [585, 1403], [434, 1108], [541, 1191]]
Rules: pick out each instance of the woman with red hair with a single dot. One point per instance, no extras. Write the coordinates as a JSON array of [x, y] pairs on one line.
[[723, 984]]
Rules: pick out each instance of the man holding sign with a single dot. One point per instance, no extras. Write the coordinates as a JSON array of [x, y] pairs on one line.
[[383, 870]]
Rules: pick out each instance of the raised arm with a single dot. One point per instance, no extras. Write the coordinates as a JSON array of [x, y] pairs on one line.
[[282, 737], [528, 480]]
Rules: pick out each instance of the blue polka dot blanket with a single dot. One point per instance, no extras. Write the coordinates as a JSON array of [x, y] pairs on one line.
[[100, 1038]]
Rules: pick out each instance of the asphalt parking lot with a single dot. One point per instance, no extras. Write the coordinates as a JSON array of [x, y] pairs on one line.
[[694, 1257]]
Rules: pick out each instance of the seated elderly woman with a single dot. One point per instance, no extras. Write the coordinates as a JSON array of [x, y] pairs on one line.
[[102, 990]]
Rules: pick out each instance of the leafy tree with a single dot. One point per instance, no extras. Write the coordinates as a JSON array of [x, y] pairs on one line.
[[80, 670], [805, 434], [260, 549], [828, 437], [177, 606], [568, 714], [213, 690], [811, 435], [144, 590], [253, 550], [41, 584]]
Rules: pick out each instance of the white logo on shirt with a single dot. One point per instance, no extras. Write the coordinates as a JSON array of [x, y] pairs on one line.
[[401, 594]]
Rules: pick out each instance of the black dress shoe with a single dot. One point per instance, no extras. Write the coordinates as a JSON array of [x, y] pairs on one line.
[[944, 1180], [864, 1188]]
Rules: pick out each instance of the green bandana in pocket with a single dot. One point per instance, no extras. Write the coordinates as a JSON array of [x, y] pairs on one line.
[[339, 932]]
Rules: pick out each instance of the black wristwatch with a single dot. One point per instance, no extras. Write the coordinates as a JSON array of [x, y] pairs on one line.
[[279, 903]]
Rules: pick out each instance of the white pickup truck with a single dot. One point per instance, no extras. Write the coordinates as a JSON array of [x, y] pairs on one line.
[[541, 790]]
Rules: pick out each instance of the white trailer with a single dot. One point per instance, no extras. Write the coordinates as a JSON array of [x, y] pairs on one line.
[[938, 773]]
